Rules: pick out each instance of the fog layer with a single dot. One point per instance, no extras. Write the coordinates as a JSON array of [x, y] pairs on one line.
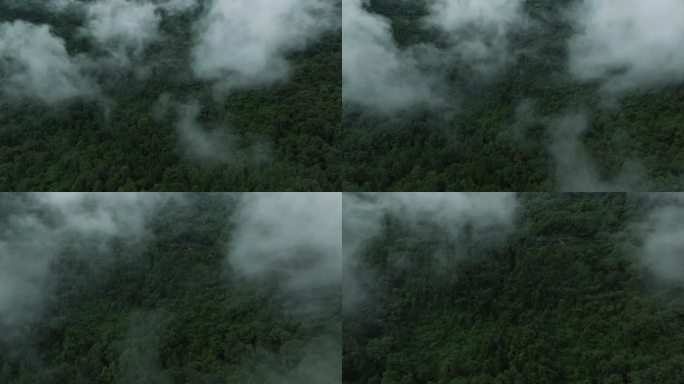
[[38, 228], [247, 43], [628, 45], [34, 63], [296, 236]]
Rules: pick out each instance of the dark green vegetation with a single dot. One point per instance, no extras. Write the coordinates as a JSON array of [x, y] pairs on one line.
[[473, 146], [169, 312], [118, 145], [558, 301]]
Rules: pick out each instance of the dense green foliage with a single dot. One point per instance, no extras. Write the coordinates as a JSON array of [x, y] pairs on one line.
[[473, 146], [170, 312], [559, 300], [118, 145]]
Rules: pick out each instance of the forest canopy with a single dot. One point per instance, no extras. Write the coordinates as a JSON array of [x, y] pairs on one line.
[[554, 288], [519, 95], [397, 288], [169, 288], [169, 95]]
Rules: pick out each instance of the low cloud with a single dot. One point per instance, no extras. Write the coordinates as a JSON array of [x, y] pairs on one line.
[[479, 30], [382, 76], [377, 73], [122, 28], [294, 236], [628, 45], [34, 63], [246, 43], [662, 235], [238, 43], [296, 239], [451, 212], [575, 170], [321, 364], [218, 144], [36, 229], [487, 215], [125, 28]]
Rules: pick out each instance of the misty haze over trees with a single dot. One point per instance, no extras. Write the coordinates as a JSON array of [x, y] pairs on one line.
[[547, 131], [533, 288], [215, 95], [513, 95], [169, 95], [169, 288], [396, 288]]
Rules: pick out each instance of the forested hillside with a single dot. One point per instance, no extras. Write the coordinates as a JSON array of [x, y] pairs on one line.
[[498, 129], [563, 298], [162, 308], [122, 137]]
